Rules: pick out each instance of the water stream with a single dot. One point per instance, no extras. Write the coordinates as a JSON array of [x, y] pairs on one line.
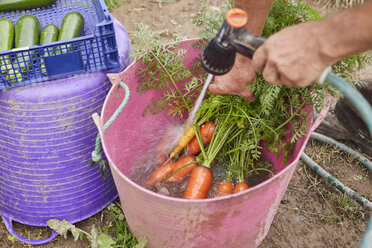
[[199, 101]]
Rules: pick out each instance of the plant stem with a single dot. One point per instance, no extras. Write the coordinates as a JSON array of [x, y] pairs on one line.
[[293, 115], [183, 166], [169, 75], [263, 169]]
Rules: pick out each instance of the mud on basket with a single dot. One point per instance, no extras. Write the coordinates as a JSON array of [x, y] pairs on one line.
[[94, 50]]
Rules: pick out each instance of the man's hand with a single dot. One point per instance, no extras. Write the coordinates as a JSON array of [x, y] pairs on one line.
[[242, 74], [293, 56]]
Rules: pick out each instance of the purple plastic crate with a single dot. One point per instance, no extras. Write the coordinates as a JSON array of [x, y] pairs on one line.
[[94, 50]]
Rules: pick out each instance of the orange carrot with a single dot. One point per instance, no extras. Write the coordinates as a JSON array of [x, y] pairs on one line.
[[206, 131], [239, 187], [163, 147], [183, 141], [225, 188], [193, 147], [184, 166], [199, 183], [160, 174], [214, 162]]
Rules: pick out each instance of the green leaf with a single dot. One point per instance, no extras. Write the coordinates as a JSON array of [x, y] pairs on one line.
[[142, 242], [105, 241], [112, 3], [12, 237], [63, 227], [94, 240]]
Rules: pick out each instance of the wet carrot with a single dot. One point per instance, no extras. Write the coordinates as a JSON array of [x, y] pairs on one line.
[[225, 188], [199, 183], [184, 166], [206, 131], [214, 162], [193, 147], [239, 187], [160, 173], [163, 147], [183, 141]]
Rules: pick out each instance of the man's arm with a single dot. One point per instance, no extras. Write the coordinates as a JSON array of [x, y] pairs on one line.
[[242, 72], [347, 33], [297, 55], [257, 11]]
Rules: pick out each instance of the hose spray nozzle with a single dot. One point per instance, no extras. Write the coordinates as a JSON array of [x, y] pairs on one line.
[[218, 56]]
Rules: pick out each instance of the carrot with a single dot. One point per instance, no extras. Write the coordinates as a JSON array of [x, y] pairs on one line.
[[199, 183], [183, 141], [206, 131], [214, 162], [160, 173], [225, 188], [239, 187], [163, 147], [182, 168], [193, 147]]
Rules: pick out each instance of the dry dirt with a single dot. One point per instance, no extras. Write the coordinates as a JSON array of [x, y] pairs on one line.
[[311, 214]]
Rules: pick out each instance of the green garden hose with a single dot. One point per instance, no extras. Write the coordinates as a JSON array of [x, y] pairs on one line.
[[365, 110], [333, 181], [343, 147], [367, 240], [357, 99]]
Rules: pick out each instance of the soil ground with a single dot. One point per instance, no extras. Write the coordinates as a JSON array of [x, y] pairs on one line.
[[311, 213]]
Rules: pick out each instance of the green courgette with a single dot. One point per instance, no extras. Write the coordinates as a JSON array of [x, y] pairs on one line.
[[72, 26], [27, 31], [6, 43], [49, 34], [6, 34], [10, 5]]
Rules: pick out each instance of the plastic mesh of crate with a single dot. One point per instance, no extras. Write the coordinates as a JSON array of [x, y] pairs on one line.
[[94, 50]]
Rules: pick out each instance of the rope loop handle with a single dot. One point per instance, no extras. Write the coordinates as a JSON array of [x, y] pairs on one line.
[[96, 154]]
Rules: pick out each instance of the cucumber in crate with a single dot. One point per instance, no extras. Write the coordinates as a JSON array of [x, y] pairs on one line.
[[6, 42], [86, 41], [49, 34], [27, 33], [71, 27], [11, 5]]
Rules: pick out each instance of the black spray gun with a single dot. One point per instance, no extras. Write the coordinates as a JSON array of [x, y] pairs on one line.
[[219, 55], [218, 58]]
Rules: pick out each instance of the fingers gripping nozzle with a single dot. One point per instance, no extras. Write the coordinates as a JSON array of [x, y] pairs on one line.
[[218, 57]]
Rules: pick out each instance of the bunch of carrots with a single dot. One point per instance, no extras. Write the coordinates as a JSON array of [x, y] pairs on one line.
[[201, 176], [200, 172], [223, 132]]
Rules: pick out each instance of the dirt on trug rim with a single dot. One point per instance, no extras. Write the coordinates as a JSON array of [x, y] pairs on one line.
[[311, 213]]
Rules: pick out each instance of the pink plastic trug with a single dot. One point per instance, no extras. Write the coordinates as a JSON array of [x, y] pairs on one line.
[[238, 220]]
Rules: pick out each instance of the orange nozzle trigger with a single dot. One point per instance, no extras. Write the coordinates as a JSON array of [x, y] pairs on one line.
[[237, 18]]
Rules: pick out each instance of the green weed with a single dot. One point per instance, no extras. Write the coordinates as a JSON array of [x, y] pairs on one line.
[[112, 4], [348, 206], [12, 238], [120, 231]]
